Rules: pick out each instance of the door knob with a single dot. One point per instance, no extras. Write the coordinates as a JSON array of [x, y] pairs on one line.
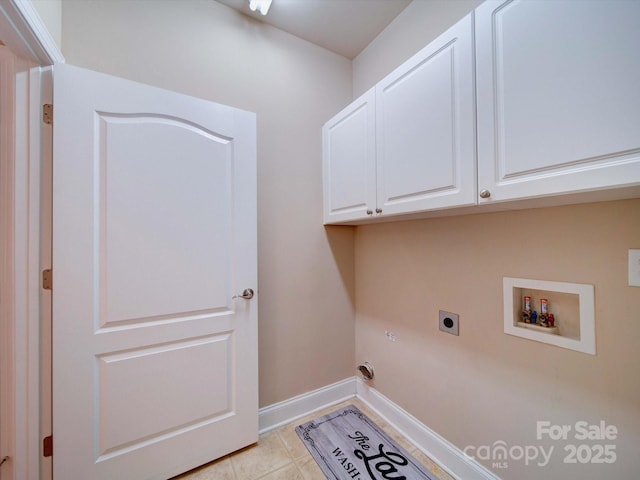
[[485, 194], [247, 294]]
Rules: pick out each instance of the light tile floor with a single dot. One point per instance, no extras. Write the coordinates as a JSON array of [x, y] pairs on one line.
[[280, 455]]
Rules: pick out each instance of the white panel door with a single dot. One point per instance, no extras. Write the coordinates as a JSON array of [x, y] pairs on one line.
[[349, 163], [558, 96], [154, 232], [425, 121]]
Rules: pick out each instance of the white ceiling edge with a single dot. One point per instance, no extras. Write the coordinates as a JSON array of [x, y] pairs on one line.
[[345, 27]]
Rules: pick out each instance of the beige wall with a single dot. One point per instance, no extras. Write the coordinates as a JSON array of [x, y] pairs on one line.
[[51, 13], [485, 386], [475, 389], [208, 50]]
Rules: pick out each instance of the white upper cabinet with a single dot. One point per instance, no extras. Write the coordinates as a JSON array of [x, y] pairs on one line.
[[407, 145], [349, 169], [551, 108], [558, 97], [425, 128]]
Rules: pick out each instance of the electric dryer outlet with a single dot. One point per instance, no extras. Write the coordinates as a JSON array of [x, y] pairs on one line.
[[448, 322]]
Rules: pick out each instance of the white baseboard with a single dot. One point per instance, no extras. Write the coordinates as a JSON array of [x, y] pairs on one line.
[[289, 410], [449, 457]]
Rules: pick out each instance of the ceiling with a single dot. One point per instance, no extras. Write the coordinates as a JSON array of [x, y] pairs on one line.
[[345, 27]]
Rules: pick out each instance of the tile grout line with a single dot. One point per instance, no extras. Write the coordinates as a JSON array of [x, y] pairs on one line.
[[288, 440], [233, 467]]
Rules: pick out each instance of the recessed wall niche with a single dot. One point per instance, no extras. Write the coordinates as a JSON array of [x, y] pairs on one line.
[[572, 305]]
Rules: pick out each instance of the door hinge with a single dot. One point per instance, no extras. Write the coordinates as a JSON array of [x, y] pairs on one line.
[[47, 446], [47, 113], [47, 279]]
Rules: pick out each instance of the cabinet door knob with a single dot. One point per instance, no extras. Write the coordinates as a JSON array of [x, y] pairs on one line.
[[369, 212], [378, 211], [485, 194]]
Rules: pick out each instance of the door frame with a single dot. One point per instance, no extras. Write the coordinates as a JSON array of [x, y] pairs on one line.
[[21, 395]]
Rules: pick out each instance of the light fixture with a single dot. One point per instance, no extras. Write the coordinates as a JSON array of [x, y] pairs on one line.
[[261, 5]]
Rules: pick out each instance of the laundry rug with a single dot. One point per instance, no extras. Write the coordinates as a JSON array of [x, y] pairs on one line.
[[348, 445]]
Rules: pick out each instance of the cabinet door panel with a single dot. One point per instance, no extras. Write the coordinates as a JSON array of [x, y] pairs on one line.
[[425, 128], [349, 162], [558, 103]]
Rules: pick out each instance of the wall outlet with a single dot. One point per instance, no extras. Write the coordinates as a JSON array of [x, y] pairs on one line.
[[634, 267], [448, 322]]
